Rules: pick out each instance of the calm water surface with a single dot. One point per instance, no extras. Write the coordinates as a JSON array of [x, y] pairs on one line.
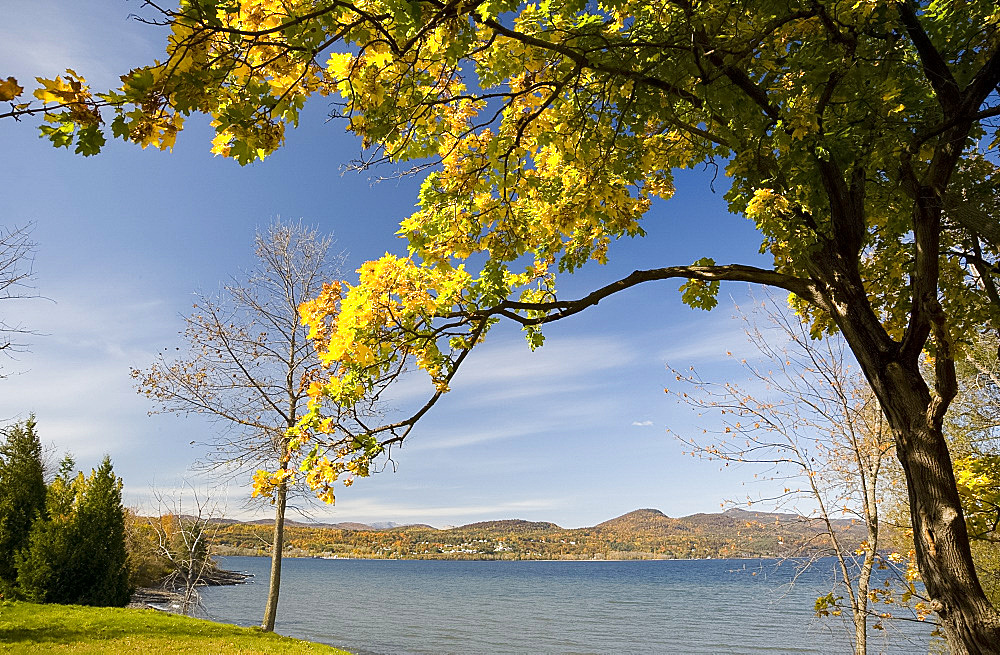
[[386, 607]]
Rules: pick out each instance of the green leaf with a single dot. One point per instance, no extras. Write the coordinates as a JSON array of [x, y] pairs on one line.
[[89, 141], [701, 294]]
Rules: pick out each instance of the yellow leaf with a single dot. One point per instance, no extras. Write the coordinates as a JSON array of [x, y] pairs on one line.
[[339, 64], [9, 89]]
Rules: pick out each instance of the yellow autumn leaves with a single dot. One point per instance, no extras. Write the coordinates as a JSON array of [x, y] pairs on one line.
[[518, 182], [978, 479], [355, 331], [70, 91], [364, 335], [9, 89]]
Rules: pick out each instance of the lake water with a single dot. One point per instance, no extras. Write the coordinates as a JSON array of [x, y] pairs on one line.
[[389, 607]]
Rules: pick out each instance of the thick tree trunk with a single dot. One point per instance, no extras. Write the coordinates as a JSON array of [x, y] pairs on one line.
[[274, 586], [940, 536], [944, 558], [941, 541]]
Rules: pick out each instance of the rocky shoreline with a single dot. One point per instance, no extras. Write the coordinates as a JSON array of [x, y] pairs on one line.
[[222, 577], [170, 599], [155, 598]]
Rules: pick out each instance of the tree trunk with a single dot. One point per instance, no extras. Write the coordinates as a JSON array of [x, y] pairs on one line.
[[941, 542], [860, 616], [276, 547], [860, 607], [940, 538]]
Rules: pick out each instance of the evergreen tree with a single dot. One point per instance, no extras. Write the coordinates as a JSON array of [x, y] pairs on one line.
[[22, 496], [44, 571], [78, 555], [100, 556]]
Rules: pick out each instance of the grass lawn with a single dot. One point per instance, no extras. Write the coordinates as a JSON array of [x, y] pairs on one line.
[[30, 628]]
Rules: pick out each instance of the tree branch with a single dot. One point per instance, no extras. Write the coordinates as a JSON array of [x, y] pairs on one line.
[[580, 59], [732, 273], [935, 67], [982, 85]]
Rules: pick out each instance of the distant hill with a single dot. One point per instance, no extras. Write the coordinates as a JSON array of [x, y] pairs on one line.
[[348, 525], [640, 521], [641, 534], [511, 526]]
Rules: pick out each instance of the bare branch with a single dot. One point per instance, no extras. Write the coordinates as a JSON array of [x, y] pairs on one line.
[[16, 274]]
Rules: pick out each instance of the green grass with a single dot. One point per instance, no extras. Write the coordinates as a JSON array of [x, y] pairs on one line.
[[30, 628]]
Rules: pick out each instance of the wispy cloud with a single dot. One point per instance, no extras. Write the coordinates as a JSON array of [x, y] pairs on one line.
[[562, 358], [472, 437], [42, 38], [497, 421], [506, 371], [704, 344], [75, 379], [642, 424]]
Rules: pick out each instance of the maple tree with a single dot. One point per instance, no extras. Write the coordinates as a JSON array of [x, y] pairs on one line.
[[857, 137]]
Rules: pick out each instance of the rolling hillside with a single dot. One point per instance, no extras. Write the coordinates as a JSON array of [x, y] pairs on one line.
[[641, 534]]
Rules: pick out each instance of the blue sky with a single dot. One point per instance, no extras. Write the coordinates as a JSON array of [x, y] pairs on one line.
[[574, 433]]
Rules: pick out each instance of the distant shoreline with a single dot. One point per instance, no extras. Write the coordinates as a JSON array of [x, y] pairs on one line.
[[645, 534], [583, 561]]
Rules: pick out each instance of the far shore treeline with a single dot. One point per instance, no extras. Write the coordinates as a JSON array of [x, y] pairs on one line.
[[642, 534]]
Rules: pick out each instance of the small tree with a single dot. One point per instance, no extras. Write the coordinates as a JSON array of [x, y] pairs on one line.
[[22, 495], [184, 540], [246, 359], [817, 429]]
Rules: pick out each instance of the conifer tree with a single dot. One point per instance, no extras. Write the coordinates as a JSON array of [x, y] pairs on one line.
[[44, 574], [22, 495], [100, 554], [78, 554]]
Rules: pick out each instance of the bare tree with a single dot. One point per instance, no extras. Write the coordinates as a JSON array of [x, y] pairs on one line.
[[147, 565], [813, 424], [16, 272], [184, 536], [246, 361]]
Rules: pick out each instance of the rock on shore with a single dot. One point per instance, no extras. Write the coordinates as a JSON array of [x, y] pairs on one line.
[[168, 598]]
